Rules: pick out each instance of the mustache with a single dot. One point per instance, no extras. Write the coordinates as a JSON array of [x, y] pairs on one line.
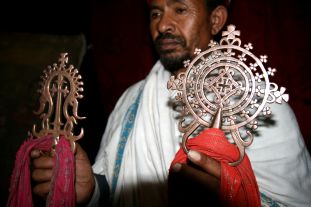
[[162, 36]]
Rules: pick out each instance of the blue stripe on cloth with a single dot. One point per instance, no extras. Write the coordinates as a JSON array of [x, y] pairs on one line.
[[267, 201], [127, 126]]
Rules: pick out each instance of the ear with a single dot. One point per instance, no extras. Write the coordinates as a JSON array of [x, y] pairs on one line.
[[218, 19]]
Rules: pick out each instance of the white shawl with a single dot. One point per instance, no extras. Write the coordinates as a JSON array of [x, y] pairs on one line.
[[278, 155]]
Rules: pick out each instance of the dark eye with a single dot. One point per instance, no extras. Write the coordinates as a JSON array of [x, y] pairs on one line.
[[180, 10], [154, 14]]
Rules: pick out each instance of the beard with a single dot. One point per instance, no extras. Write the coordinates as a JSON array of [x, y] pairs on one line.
[[171, 62]]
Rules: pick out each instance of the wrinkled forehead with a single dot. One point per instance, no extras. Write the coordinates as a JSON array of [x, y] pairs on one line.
[[226, 2], [150, 1]]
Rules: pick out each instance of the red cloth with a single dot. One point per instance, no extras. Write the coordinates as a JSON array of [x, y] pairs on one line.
[[238, 186], [62, 192]]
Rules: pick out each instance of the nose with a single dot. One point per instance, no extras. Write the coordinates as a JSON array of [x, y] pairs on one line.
[[166, 23]]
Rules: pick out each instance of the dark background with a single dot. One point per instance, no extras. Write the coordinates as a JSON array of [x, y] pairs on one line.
[[109, 42]]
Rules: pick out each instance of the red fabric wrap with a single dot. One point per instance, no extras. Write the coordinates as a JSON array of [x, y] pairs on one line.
[[238, 186], [62, 192]]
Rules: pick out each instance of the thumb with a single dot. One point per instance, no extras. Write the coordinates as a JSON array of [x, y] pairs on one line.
[[207, 163], [80, 154]]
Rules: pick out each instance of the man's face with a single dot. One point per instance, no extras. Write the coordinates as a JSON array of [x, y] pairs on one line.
[[178, 27]]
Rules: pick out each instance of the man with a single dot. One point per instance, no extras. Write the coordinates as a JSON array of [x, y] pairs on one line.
[[141, 137]]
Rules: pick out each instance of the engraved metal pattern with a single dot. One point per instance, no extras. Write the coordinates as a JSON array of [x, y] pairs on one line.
[[230, 80], [61, 87]]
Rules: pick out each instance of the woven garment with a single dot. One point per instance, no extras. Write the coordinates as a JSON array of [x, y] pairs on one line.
[[62, 193], [238, 186]]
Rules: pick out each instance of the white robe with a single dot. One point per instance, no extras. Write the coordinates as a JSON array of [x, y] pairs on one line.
[[279, 158]]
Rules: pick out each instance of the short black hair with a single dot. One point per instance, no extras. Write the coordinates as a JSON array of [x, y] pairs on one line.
[[212, 4]]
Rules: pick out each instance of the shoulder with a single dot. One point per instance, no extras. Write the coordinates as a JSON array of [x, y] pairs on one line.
[[127, 98], [107, 151], [280, 159], [281, 127], [123, 104]]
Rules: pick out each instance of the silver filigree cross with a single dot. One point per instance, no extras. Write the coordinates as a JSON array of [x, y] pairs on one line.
[[229, 85]]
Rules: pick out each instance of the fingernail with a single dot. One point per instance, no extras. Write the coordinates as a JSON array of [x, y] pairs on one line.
[[193, 155], [177, 167]]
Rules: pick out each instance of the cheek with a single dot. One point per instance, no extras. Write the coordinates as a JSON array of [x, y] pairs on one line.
[[153, 31], [204, 40], [192, 35], [200, 36]]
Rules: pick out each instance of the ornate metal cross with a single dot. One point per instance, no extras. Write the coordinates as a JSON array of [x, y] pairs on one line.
[[61, 87], [229, 84]]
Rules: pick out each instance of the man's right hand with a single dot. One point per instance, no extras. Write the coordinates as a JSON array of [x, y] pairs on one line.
[[43, 170]]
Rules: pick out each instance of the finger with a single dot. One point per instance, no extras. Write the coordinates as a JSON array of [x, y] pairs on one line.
[[80, 154], [207, 163], [42, 189], [194, 175], [42, 175], [45, 162], [35, 153], [85, 181], [84, 173]]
